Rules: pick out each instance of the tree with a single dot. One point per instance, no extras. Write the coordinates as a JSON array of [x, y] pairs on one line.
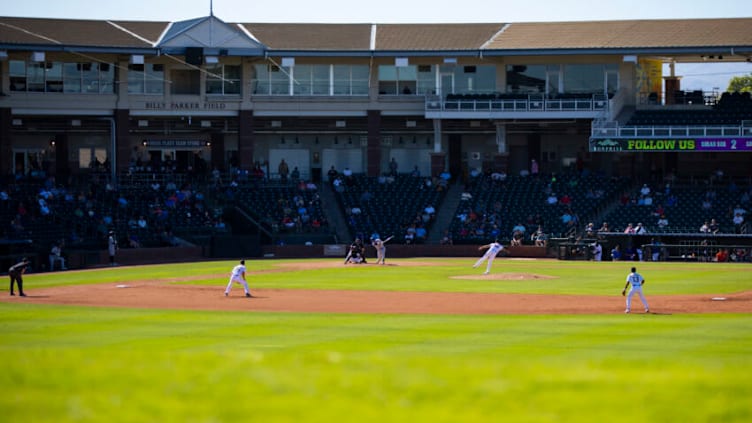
[[740, 83]]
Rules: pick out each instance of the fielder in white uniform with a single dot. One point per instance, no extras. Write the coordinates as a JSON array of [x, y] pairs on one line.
[[238, 276], [381, 249], [494, 248], [635, 280]]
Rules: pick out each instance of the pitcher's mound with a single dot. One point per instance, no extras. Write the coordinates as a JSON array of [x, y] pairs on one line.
[[504, 277]]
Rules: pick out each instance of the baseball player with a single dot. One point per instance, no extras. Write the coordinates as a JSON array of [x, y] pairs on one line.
[[238, 276], [381, 249], [357, 253], [112, 247], [636, 281], [494, 248], [16, 275]]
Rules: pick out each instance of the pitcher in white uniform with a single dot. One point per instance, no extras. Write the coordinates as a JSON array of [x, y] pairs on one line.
[[494, 248], [635, 280], [238, 276]]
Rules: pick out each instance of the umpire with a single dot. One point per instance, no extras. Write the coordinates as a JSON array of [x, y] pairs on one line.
[[16, 275]]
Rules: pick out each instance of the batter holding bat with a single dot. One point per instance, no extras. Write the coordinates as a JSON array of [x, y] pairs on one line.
[[381, 249]]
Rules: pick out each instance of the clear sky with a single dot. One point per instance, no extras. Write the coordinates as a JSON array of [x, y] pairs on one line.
[[407, 11], [379, 11]]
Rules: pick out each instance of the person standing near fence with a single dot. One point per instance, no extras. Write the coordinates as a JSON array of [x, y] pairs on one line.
[[635, 281]]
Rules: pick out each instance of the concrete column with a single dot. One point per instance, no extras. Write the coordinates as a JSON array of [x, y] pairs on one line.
[[501, 138], [437, 136], [246, 140], [6, 150], [373, 150]]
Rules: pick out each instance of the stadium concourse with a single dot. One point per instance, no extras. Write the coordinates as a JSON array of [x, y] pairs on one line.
[[205, 138]]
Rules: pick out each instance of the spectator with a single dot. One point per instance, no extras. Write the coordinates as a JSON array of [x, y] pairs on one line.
[[629, 229], [393, 167], [705, 228], [56, 256], [738, 223], [722, 255], [714, 227], [446, 239], [283, 170], [662, 222], [332, 174], [616, 253], [640, 229]]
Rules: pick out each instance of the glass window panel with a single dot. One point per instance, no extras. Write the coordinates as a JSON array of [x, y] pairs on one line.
[[214, 79], [35, 77], [90, 77], [54, 77], [280, 81], [106, 78], [18, 68], [17, 75], [426, 79], [387, 73], [320, 76], [302, 80], [261, 80], [526, 79], [407, 73], [186, 82], [485, 79], [71, 78], [583, 78], [155, 79], [136, 79]]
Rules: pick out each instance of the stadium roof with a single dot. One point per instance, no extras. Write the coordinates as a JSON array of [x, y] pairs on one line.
[[729, 36]]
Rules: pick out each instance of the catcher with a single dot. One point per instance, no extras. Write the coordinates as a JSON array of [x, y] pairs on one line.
[[356, 253]]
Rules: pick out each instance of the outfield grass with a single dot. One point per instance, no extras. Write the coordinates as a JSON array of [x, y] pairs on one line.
[[66, 364]]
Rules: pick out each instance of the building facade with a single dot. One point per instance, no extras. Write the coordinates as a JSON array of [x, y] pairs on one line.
[[205, 93]]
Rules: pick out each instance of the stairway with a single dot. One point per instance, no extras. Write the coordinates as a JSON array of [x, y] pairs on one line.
[[330, 208], [445, 213]]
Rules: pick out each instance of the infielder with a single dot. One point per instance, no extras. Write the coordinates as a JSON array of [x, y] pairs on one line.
[[238, 276], [16, 275], [636, 281], [494, 248], [381, 249]]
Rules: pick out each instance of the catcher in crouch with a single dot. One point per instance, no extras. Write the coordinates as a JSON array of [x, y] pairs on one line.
[[380, 249], [357, 253]]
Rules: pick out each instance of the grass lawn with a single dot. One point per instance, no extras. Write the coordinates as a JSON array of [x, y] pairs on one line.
[[79, 364]]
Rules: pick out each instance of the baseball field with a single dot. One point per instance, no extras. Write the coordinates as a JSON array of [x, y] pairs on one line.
[[418, 340]]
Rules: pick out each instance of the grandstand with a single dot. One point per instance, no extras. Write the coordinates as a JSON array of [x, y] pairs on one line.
[[171, 133]]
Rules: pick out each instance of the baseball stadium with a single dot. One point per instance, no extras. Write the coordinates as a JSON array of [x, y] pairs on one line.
[[418, 222]]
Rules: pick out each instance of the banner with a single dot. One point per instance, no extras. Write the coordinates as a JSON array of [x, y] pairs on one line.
[[662, 145]]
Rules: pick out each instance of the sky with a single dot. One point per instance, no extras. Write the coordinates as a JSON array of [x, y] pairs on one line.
[[407, 11]]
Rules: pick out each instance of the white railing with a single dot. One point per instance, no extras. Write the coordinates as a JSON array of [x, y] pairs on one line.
[[611, 129], [531, 103]]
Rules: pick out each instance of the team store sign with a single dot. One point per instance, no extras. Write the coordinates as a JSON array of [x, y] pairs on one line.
[[662, 145]]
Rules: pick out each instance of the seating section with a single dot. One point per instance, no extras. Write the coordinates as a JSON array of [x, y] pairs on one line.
[[390, 207], [491, 208], [685, 208], [731, 109], [283, 208]]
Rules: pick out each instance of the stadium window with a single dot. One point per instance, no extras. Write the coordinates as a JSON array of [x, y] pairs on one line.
[[185, 82], [223, 79]]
